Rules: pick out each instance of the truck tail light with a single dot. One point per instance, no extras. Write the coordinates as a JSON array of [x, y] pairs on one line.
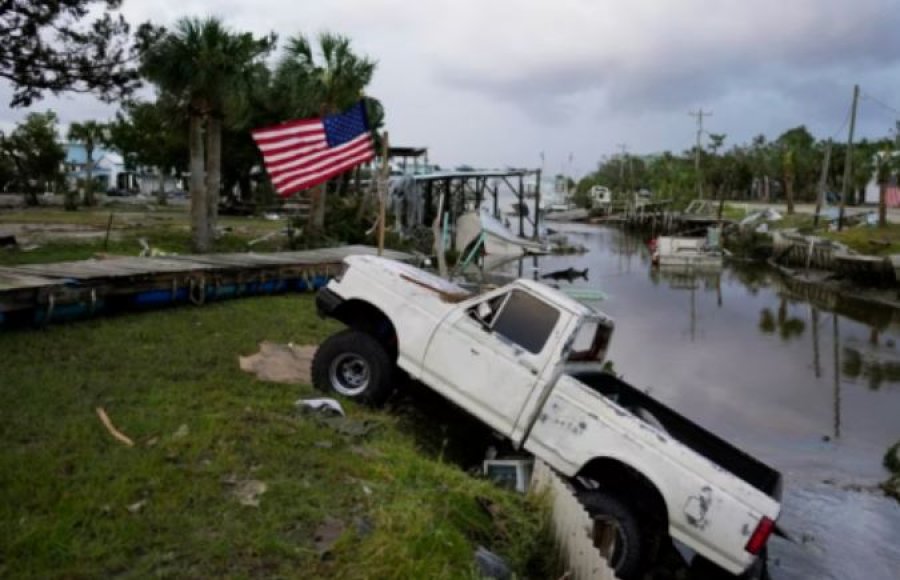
[[761, 534]]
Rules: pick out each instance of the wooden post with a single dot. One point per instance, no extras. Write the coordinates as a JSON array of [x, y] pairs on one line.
[[382, 191], [848, 160], [496, 208], [521, 208], [439, 237], [537, 204]]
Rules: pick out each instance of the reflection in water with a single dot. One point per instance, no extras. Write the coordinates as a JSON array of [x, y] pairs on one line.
[[788, 327], [875, 372], [837, 377], [817, 365]]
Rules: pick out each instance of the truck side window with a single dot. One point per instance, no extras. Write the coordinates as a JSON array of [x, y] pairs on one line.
[[526, 321]]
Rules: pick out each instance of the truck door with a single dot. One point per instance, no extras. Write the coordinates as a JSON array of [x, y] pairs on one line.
[[490, 355]]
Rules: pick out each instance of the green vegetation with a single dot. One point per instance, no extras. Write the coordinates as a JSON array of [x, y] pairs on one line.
[[75, 502], [786, 169], [64, 46], [868, 240], [31, 156]]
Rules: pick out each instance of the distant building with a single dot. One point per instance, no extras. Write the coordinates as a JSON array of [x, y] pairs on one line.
[[111, 175], [873, 188], [109, 170]]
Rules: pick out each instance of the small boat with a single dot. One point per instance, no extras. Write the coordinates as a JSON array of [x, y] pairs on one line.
[[700, 253], [497, 239]]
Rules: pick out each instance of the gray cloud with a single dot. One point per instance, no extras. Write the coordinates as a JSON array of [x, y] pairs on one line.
[[496, 83]]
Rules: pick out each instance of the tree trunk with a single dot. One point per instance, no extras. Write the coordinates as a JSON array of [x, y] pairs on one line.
[[199, 218], [882, 205], [213, 171], [246, 191], [89, 179], [319, 195], [161, 192], [789, 194], [70, 198]]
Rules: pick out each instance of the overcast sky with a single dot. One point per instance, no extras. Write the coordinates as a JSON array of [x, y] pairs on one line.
[[497, 82]]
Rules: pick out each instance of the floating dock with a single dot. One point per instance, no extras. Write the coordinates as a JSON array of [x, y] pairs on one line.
[[42, 293]]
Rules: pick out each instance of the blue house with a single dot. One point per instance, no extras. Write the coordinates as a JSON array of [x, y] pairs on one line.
[[109, 168]]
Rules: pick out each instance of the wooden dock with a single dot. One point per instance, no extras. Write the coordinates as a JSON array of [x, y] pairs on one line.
[[40, 293]]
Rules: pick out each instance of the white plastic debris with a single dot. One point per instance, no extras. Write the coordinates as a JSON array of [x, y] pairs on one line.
[[324, 404]]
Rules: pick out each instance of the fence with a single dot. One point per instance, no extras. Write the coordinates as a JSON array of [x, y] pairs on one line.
[[572, 527]]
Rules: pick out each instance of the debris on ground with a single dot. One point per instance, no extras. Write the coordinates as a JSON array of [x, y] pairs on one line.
[[136, 506], [324, 405], [246, 491], [150, 252], [182, 432], [104, 418], [364, 526], [490, 565], [280, 363], [350, 428], [327, 534]]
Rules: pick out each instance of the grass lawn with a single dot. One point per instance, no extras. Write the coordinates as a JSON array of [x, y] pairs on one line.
[[871, 240], [76, 503], [164, 228]]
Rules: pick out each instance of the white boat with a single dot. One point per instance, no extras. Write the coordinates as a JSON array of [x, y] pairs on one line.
[[498, 240], [697, 253]]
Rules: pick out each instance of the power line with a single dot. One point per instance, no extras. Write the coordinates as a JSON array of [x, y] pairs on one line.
[[844, 124], [878, 101]]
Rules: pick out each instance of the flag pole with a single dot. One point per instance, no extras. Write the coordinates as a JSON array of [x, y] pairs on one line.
[[382, 190]]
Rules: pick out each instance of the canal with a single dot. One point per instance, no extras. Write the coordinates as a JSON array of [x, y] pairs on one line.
[[806, 381]]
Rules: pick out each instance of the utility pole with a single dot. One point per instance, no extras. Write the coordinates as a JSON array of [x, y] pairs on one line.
[[823, 181], [845, 187], [699, 114]]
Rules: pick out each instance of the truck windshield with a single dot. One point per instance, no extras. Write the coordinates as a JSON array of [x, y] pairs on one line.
[[590, 341]]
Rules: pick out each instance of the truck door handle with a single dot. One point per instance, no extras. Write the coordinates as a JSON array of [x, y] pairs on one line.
[[533, 370], [473, 351]]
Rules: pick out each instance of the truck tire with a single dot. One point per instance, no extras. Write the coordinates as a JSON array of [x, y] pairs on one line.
[[353, 364], [630, 544]]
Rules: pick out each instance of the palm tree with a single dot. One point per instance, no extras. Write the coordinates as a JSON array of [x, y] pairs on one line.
[[201, 63], [90, 134], [790, 174], [334, 82]]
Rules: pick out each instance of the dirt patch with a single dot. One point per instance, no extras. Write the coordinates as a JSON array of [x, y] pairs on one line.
[[280, 363]]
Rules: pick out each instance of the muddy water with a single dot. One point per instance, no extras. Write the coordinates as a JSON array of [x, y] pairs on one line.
[[808, 382]]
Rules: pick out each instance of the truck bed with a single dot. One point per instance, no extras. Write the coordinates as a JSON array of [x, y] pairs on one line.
[[717, 450]]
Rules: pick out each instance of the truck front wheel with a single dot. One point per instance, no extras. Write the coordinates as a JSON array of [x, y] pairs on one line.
[[618, 532], [355, 365]]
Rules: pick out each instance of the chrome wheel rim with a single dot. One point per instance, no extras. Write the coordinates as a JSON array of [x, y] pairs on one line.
[[349, 374]]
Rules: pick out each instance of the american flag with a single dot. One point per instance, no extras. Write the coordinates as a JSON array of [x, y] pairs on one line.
[[301, 154]]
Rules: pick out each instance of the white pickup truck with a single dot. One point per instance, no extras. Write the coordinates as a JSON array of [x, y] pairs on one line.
[[526, 360]]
